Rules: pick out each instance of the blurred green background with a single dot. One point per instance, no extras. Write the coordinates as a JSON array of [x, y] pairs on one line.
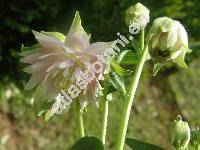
[[158, 100]]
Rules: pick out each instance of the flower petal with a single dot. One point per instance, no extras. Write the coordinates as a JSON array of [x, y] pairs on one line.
[[66, 63], [47, 41], [99, 48], [77, 38]]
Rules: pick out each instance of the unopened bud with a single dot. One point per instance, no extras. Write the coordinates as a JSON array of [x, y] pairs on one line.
[[179, 133], [137, 14], [168, 41]]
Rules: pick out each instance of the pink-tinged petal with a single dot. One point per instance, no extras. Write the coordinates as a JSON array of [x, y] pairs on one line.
[[52, 59], [53, 79], [99, 48], [69, 50], [30, 58], [35, 80], [47, 41], [49, 54], [30, 52], [77, 73], [65, 72], [77, 38], [51, 67], [37, 67], [76, 27], [77, 42], [66, 63]]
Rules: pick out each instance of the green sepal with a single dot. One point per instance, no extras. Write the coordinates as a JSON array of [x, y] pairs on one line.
[[43, 101], [25, 50], [180, 60], [156, 68]]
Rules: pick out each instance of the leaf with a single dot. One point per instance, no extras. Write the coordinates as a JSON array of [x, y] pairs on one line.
[[88, 143], [140, 145], [108, 88], [135, 44], [122, 55], [130, 58], [118, 69]]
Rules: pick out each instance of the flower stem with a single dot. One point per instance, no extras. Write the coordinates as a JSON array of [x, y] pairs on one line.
[[79, 119], [104, 115], [141, 40], [129, 97]]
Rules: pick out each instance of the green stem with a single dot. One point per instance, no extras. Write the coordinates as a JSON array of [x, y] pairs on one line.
[[141, 40], [79, 119], [129, 98], [198, 147], [104, 118]]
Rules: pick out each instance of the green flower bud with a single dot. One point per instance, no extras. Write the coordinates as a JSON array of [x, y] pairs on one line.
[[137, 14], [195, 138], [168, 41], [179, 133]]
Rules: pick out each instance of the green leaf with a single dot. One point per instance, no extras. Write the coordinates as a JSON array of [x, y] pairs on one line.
[[122, 55], [140, 145], [88, 143], [130, 58], [135, 44], [108, 88], [118, 69]]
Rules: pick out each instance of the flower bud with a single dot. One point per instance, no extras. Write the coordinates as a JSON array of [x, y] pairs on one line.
[[137, 14], [179, 133], [168, 41]]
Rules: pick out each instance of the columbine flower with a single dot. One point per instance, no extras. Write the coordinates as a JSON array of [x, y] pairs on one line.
[[57, 61], [137, 14], [168, 41], [179, 133]]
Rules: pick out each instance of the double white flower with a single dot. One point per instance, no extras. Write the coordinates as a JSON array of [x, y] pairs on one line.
[[56, 62]]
